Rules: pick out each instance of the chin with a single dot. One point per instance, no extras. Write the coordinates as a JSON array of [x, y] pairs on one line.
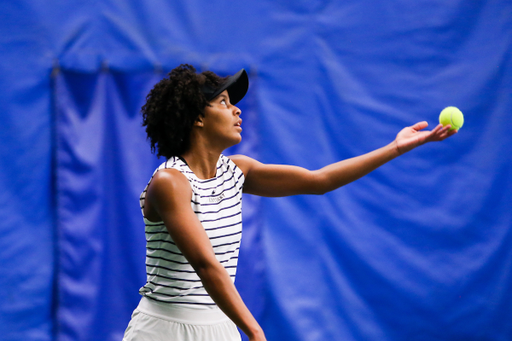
[[236, 141], [231, 142]]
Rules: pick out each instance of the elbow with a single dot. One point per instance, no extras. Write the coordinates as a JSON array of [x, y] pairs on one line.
[[319, 184], [205, 268]]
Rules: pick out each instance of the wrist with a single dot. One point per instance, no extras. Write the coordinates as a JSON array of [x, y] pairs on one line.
[[254, 332], [395, 150]]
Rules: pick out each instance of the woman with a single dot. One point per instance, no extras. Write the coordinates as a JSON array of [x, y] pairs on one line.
[[192, 204]]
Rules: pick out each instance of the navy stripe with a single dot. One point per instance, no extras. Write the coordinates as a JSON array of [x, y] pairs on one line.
[[170, 269], [177, 295], [182, 295], [156, 232], [181, 263], [178, 279], [175, 287], [173, 278], [152, 224], [224, 217], [226, 244], [162, 241], [174, 302], [171, 242], [226, 235], [227, 260], [218, 185], [212, 179], [222, 227], [165, 250], [225, 253], [221, 209], [168, 260]]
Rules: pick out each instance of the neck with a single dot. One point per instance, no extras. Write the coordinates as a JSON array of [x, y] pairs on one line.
[[202, 162]]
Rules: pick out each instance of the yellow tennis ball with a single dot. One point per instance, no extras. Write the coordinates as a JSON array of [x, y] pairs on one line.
[[452, 116]]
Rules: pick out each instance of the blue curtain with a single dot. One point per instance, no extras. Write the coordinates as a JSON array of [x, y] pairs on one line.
[[420, 249]]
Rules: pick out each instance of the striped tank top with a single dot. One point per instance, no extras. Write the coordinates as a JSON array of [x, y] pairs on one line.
[[217, 203]]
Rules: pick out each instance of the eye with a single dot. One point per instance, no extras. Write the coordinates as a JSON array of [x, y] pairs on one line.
[[223, 101]]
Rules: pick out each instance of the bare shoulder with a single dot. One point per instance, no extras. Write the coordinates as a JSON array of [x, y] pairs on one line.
[[169, 189], [245, 163], [169, 182]]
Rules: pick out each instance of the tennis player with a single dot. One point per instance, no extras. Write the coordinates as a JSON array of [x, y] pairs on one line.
[[192, 205]]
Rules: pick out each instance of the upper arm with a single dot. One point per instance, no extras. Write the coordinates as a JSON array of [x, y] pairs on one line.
[[169, 195], [276, 180]]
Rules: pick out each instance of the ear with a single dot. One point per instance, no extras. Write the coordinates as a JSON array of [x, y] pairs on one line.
[[199, 121]]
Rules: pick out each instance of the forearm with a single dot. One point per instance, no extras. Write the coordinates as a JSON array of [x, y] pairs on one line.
[[344, 172], [222, 290], [282, 180]]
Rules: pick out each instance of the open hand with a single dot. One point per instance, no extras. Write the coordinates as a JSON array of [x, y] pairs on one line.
[[412, 137]]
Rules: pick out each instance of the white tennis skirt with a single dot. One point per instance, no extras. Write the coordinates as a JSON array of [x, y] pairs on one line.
[[155, 321]]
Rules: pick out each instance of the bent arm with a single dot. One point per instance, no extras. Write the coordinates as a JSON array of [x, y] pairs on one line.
[[169, 196], [281, 180]]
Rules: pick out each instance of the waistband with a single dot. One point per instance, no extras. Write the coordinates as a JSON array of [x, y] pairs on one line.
[[174, 313]]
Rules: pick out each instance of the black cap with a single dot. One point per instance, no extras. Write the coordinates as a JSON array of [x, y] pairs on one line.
[[236, 86]]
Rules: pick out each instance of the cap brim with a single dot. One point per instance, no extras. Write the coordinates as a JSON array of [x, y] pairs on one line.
[[236, 85]]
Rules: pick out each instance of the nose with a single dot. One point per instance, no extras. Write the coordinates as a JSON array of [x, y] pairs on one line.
[[237, 110]]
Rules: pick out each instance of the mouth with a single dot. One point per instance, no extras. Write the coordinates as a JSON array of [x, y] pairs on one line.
[[239, 123]]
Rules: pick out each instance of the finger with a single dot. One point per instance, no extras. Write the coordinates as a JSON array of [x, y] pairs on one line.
[[438, 129], [448, 133], [452, 132], [420, 125], [435, 134], [438, 133], [446, 129]]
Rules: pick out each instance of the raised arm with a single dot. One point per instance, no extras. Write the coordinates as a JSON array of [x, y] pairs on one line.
[[281, 180], [168, 199]]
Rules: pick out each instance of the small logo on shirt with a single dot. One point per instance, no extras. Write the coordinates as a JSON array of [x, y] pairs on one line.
[[217, 199]]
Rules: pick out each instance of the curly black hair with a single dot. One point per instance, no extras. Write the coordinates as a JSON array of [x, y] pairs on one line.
[[172, 107]]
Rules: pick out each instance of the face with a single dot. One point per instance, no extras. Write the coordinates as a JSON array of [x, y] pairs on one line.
[[221, 123]]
